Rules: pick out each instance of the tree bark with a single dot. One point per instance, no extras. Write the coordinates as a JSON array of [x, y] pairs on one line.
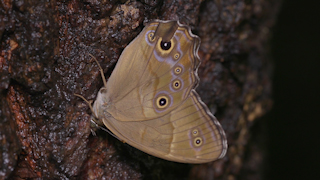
[[44, 60]]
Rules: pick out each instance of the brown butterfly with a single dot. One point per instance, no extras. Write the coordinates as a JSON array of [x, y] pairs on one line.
[[150, 100]]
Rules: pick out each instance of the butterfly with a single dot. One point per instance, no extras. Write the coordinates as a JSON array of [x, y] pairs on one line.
[[150, 100]]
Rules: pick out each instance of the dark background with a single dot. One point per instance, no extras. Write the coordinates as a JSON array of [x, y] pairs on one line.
[[293, 126]]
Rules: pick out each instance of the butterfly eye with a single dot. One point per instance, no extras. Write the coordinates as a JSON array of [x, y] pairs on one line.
[[197, 141], [165, 45], [176, 84], [195, 132], [176, 56], [162, 102], [177, 70], [151, 37]]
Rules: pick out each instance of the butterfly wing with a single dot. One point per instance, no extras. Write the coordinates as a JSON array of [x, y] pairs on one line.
[[188, 134], [146, 73], [150, 101]]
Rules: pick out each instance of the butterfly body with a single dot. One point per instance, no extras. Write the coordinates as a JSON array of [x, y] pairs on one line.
[[150, 100]]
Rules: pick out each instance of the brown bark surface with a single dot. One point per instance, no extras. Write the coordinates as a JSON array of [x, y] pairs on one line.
[[44, 60]]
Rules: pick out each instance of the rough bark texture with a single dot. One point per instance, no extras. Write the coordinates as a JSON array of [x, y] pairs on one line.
[[45, 129]]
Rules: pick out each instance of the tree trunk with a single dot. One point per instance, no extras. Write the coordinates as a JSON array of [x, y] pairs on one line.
[[44, 60]]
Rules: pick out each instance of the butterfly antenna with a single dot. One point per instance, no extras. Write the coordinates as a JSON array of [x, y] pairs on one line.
[[95, 117], [101, 71]]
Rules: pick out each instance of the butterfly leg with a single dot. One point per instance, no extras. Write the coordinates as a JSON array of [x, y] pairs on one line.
[[88, 102], [94, 119]]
